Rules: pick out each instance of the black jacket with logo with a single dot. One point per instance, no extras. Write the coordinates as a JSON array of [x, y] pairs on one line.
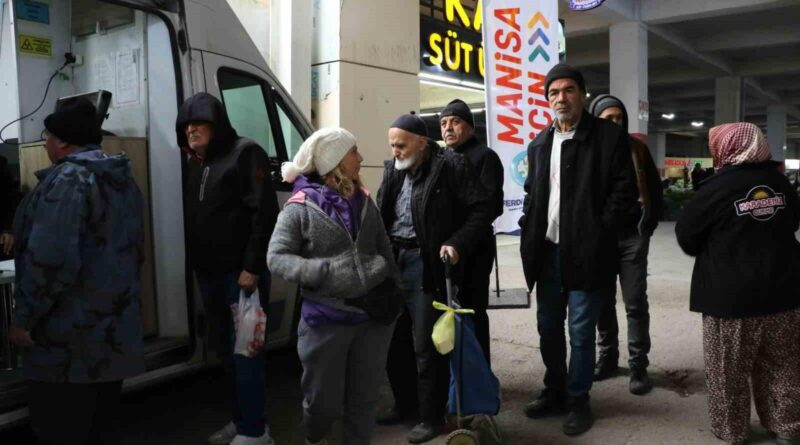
[[741, 227], [448, 205], [598, 189], [231, 207]]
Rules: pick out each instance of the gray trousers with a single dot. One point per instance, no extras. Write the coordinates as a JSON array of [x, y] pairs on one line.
[[633, 251], [342, 372]]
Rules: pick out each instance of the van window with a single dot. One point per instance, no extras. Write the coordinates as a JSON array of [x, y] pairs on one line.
[[291, 134], [244, 100]]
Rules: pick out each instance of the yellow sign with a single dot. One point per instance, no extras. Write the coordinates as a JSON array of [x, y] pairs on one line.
[[37, 46]]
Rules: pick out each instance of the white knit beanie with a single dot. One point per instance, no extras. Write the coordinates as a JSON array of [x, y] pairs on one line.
[[321, 152]]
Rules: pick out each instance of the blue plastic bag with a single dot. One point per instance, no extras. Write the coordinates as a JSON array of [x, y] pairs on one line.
[[480, 389]]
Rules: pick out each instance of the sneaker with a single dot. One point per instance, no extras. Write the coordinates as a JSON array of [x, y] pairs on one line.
[[424, 432], [579, 419], [606, 367], [265, 439], [640, 383], [545, 405], [223, 436]]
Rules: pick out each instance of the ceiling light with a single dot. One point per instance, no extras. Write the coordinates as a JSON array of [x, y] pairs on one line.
[[697, 123], [588, 95], [450, 85], [669, 116]]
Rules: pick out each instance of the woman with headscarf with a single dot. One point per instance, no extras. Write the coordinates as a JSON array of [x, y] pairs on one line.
[[741, 228], [331, 240]]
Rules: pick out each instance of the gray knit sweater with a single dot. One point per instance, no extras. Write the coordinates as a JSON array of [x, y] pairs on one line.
[[318, 253]]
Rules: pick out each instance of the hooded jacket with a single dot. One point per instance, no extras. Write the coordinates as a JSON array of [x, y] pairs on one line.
[[643, 217], [231, 206], [79, 250]]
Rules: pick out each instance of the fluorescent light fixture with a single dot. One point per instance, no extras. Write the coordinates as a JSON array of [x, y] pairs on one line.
[[439, 78], [475, 85], [697, 124], [478, 110], [427, 114], [588, 95], [669, 116], [450, 85], [448, 81], [793, 164]]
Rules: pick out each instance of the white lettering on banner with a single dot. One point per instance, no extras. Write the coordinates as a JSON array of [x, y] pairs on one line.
[[521, 45]]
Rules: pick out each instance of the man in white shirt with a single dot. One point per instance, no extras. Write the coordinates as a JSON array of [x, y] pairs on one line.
[[579, 188]]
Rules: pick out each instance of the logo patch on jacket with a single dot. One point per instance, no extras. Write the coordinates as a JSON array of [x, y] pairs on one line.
[[762, 203]]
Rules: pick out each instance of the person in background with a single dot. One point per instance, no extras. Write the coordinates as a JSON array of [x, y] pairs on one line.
[[8, 202], [458, 132], [330, 239], [740, 227], [634, 246], [698, 174], [78, 254], [231, 210]]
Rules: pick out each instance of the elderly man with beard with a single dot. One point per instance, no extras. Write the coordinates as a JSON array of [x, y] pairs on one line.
[[579, 192], [432, 204], [458, 132]]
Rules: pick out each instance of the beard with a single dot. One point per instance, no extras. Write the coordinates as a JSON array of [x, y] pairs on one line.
[[406, 163]]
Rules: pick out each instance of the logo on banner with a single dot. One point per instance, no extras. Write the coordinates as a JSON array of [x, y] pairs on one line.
[[584, 5], [519, 167], [762, 203]]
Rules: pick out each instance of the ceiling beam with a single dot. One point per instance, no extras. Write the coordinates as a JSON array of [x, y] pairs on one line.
[[754, 38], [672, 11], [682, 48]]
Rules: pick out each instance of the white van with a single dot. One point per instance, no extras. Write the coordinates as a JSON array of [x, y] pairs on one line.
[[151, 55]]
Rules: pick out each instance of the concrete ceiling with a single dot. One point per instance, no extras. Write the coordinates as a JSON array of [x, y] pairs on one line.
[[692, 42]]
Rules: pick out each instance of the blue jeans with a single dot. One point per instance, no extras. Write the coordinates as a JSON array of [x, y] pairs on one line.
[[246, 375], [553, 304]]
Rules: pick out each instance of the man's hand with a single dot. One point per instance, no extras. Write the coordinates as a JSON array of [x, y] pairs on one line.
[[248, 281], [7, 240], [20, 337], [451, 252]]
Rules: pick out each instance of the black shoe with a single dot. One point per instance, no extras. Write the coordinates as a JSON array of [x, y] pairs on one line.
[[579, 419], [546, 405], [424, 432], [394, 416], [606, 367], [640, 382]]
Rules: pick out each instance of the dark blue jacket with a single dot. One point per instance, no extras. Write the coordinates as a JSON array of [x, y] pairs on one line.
[[78, 255]]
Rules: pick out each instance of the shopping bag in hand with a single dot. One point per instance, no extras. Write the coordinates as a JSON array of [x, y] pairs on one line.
[[444, 331], [250, 323]]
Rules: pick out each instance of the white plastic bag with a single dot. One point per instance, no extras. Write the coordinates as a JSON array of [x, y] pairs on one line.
[[250, 323]]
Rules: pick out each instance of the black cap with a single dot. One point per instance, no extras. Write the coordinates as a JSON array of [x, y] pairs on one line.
[[75, 122], [459, 109], [411, 123], [563, 71]]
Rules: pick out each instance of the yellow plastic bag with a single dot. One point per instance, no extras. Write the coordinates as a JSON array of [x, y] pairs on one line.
[[444, 331]]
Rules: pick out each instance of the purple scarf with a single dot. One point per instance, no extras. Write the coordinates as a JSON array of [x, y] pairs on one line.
[[345, 211]]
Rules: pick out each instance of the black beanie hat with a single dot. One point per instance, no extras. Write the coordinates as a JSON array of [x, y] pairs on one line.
[[563, 71], [75, 122], [459, 109], [411, 123]]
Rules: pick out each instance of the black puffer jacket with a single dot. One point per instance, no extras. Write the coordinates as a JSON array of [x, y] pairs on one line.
[[741, 227], [597, 192], [449, 206], [231, 206]]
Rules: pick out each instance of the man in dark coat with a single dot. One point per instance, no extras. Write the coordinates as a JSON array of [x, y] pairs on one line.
[[231, 209], [432, 204], [634, 245], [579, 190], [458, 132]]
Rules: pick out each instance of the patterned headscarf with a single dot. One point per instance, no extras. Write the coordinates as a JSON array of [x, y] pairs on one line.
[[737, 143]]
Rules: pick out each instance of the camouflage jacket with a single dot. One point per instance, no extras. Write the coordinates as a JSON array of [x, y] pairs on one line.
[[78, 256]]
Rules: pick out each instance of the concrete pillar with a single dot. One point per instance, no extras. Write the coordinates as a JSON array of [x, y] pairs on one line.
[[729, 100], [365, 65], [290, 58], [776, 130], [657, 143], [628, 74]]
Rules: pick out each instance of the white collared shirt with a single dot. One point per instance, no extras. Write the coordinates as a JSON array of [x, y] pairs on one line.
[[554, 203]]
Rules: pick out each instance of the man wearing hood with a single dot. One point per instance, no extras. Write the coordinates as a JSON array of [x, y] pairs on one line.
[[458, 132], [634, 245], [79, 248], [231, 209]]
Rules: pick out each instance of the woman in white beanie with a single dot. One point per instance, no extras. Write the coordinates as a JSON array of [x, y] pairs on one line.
[[331, 240]]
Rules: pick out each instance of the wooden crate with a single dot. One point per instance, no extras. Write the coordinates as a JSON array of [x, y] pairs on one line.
[[33, 157]]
